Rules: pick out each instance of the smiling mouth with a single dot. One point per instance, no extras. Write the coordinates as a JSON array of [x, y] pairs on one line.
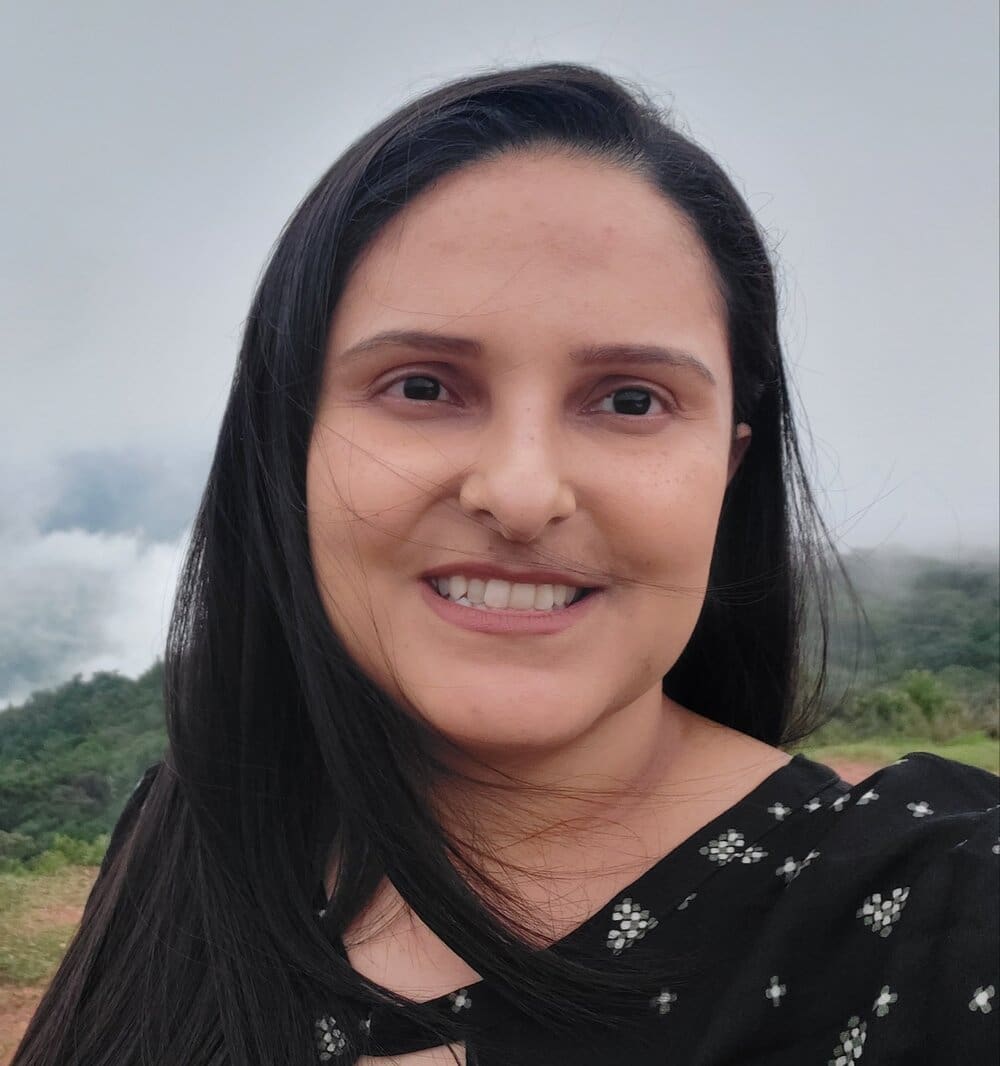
[[497, 595]]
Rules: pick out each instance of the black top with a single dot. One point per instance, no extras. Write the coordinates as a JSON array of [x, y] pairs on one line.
[[858, 925]]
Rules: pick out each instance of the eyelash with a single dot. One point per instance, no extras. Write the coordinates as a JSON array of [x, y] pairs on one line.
[[667, 402]]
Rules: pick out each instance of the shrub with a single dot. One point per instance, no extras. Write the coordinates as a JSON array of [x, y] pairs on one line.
[[64, 851]]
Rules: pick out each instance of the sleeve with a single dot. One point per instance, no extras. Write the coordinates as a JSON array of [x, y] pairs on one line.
[[963, 967]]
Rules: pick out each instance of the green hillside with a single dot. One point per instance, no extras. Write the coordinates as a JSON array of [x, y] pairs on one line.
[[925, 660], [70, 756]]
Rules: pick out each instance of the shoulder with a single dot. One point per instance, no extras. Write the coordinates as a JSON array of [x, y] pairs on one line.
[[926, 790], [922, 833], [915, 810], [942, 821], [956, 785], [899, 893]]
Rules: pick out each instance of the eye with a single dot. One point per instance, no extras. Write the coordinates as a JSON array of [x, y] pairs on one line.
[[417, 387], [636, 400], [629, 401]]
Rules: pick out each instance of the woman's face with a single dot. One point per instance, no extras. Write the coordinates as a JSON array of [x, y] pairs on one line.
[[557, 398]]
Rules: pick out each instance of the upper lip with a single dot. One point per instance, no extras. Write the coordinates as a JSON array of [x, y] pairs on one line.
[[533, 576]]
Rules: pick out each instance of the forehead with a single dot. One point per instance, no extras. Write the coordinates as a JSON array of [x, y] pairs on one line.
[[527, 242]]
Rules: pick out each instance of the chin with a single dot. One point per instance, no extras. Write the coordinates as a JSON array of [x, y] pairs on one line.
[[505, 726]]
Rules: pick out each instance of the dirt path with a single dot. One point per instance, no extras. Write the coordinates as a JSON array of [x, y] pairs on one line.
[[18, 1002], [17, 1005]]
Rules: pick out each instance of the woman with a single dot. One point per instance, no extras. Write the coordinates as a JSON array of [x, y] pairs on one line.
[[488, 643]]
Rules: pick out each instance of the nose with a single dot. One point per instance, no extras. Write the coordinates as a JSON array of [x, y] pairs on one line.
[[518, 483]]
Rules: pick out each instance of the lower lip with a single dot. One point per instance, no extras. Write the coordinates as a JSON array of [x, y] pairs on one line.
[[494, 620]]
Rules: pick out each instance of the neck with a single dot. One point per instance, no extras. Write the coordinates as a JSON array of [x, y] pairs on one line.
[[558, 808], [592, 816]]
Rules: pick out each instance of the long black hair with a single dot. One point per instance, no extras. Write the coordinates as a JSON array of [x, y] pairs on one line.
[[200, 942]]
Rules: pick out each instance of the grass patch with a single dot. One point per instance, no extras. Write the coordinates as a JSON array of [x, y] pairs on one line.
[[38, 917], [974, 749], [32, 959]]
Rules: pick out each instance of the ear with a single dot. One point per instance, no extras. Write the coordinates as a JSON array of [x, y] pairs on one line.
[[738, 448]]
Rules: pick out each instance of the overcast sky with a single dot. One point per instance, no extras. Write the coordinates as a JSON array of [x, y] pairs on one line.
[[153, 151]]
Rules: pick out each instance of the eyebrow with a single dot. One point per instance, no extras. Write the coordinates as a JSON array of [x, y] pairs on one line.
[[587, 355]]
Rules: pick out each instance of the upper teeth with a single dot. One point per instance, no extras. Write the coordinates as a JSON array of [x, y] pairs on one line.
[[497, 593]]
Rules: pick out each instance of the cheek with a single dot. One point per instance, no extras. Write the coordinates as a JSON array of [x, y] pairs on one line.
[[667, 550], [364, 497], [352, 503], [663, 518], [345, 514]]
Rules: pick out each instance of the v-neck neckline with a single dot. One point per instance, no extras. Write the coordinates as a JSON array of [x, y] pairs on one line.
[[670, 881]]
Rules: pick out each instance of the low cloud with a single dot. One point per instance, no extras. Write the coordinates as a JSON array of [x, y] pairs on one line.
[[89, 562], [77, 601]]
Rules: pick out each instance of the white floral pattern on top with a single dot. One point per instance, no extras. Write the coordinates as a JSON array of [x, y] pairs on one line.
[[330, 1039], [460, 1000], [632, 924], [981, 999], [880, 915], [775, 991], [791, 869], [921, 809], [731, 845], [852, 1043], [779, 810], [663, 1000], [884, 1001]]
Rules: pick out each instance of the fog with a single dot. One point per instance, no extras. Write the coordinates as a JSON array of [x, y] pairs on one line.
[[153, 153]]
